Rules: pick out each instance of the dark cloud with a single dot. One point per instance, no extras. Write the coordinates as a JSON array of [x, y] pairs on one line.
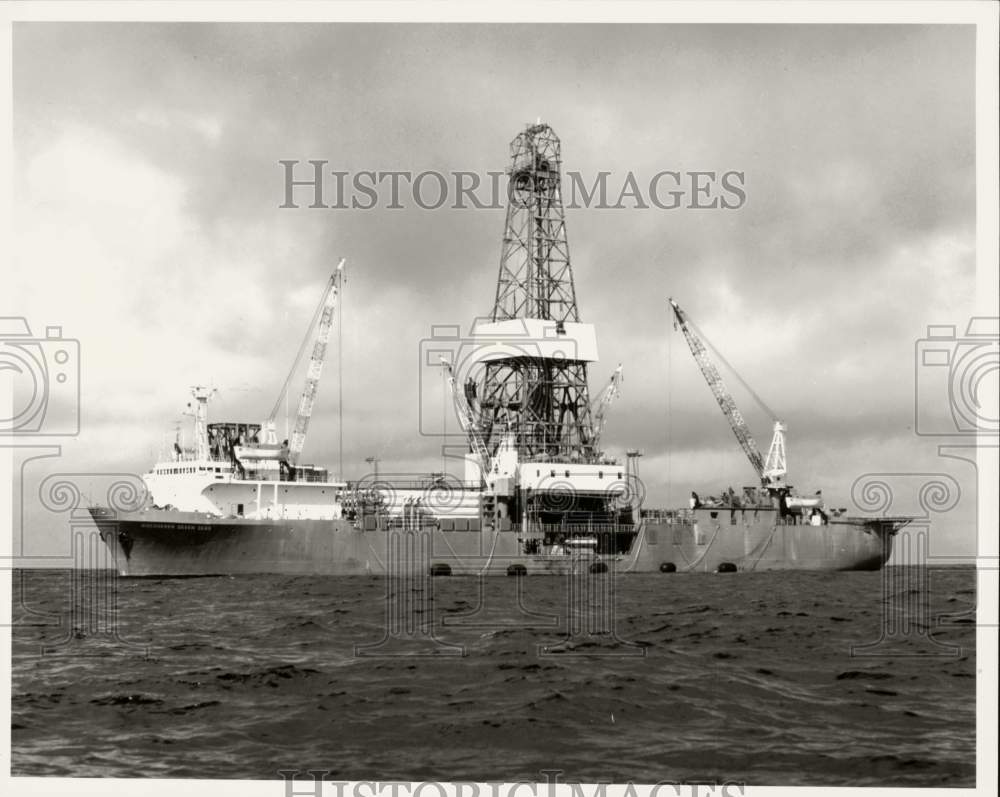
[[856, 142]]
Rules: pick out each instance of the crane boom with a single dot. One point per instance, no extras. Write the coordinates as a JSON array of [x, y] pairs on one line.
[[611, 391], [721, 393], [315, 369], [467, 419]]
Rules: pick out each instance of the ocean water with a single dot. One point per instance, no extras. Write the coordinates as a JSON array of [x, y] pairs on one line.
[[764, 678]]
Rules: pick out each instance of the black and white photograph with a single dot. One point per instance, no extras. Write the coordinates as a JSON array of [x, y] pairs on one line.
[[564, 400]]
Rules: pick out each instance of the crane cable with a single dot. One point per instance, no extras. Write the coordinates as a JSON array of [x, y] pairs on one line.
[[733, 371], [670, 410], [301, 351]]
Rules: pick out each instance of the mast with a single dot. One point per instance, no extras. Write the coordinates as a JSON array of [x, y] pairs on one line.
[[202, 395], [539, 394]]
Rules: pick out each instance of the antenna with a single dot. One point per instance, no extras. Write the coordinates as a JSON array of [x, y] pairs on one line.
[[340, 371]]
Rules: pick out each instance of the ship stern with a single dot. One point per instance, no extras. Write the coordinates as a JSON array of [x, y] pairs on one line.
[[881, 534]]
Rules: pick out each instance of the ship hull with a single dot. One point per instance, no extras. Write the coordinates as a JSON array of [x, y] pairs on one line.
[[174, 543]]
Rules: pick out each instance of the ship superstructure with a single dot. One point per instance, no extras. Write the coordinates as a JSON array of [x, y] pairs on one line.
[[229, 474], [239, 469]]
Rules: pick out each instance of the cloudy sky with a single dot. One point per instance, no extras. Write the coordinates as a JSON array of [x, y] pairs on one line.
[[147, 192]]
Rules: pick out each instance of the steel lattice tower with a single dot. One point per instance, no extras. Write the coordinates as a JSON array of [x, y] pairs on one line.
[[542, 400]]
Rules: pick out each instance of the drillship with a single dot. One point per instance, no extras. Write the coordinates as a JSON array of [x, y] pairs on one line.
[[537, 494]]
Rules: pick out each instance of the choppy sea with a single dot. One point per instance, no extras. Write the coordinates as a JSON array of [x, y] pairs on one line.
[[764, 678]]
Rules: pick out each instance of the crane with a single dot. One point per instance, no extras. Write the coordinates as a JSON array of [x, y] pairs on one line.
[[467, 419], [772, 471], [611, 391], [324, 314]]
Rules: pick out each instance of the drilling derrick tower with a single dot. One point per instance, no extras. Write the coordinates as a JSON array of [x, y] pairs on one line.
[[535, 398]]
